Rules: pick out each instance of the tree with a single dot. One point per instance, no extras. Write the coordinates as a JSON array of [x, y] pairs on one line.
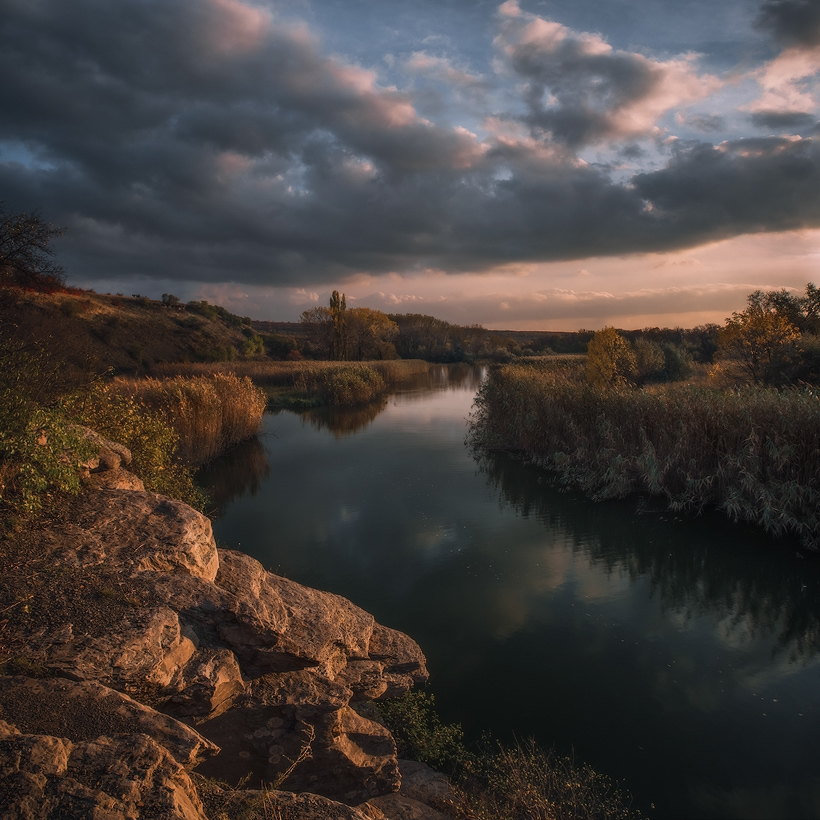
[[650, 361], [338, 307], [370, 334], [26, 253], [320, 331], [758, 345], [610, 359]]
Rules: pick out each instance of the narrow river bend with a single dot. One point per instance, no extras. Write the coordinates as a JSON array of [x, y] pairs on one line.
[[681, 656]]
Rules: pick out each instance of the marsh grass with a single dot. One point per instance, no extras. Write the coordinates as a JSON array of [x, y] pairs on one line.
[[310, 383], [753, 453], [525, 782], [208, 413]]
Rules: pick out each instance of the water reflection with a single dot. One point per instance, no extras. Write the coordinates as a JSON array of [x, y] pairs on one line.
[[238, 472], [682, 656], [344, 421], [691, 568]]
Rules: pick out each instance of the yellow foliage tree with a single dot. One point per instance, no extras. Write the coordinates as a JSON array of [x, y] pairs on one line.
[[757, 344], [610, 359]]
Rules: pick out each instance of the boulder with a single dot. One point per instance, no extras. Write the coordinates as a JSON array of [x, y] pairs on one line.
[[109, 778], [84, 711], [297, 730]]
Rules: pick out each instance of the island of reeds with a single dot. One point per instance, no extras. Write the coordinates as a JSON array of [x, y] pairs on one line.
[[740, 434]]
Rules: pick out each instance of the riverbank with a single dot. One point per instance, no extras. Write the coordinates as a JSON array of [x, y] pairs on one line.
[[752, 453]]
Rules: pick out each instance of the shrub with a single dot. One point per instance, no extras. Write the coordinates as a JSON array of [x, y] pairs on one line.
[[420, 734], [39, 454], [523, 782], [610, 360], [518, 782], [150, 438]]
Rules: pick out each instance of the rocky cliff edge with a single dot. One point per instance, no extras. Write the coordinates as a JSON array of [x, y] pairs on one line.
[[140, 660]]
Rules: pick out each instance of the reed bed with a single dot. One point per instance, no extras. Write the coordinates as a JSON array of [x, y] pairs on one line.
[[208, 413], [752, 453], [288, 373]]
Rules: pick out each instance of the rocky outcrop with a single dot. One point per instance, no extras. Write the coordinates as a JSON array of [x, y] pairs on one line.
[[164, 655]]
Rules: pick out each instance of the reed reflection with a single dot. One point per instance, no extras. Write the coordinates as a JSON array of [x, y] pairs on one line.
[[239, 471], [697, 567], [344, 421]]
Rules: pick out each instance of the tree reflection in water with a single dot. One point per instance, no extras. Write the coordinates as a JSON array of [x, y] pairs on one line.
[[344, 421], [697, 567]]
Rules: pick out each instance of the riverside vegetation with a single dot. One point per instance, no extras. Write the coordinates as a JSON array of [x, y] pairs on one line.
[[516, 782], [746, 440], [303, 384]]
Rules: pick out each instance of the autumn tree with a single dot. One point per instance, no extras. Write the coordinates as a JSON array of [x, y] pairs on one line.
[[26, 255], [610, 360], [320, 331], [370, 334], [759, 344]]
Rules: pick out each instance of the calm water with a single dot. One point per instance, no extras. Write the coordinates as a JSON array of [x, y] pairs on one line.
[[682, 657]]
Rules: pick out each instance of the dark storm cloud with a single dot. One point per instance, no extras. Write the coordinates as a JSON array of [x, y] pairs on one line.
[[205, 140], [782, 119], [743, 186], [791, 22]]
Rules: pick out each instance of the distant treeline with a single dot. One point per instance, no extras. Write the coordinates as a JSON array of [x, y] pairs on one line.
[[355, 334]]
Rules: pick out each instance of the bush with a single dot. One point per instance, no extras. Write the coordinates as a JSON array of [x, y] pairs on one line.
[[610, 360], [519, 782], [39, 448], [145, 432], [40, 451], [420, 734]]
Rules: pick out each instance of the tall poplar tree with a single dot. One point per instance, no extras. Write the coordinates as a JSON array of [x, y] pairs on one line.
[[338, 306]]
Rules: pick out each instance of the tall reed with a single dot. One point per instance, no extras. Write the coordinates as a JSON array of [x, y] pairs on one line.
[[287, 373], [209, 414], [753, 453]]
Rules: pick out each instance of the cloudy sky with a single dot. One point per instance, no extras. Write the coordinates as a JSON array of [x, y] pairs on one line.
[[526, 164]]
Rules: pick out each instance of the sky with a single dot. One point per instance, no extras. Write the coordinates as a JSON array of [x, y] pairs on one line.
[[527, 164]]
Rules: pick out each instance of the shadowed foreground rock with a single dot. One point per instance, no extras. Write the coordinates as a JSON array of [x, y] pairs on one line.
[[143, 653]]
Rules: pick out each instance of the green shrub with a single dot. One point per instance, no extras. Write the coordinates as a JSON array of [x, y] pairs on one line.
[[145, 432], [420, 734], [39, 455], [39, 448]]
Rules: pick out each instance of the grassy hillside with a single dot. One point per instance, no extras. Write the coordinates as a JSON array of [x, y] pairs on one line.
[[125, 334]]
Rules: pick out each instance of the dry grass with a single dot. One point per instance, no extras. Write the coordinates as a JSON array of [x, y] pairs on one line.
[[753, 453], [323, 382], [208, 413], [523, 782]]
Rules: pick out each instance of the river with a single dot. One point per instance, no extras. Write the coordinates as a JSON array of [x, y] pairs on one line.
[[681, 656]]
